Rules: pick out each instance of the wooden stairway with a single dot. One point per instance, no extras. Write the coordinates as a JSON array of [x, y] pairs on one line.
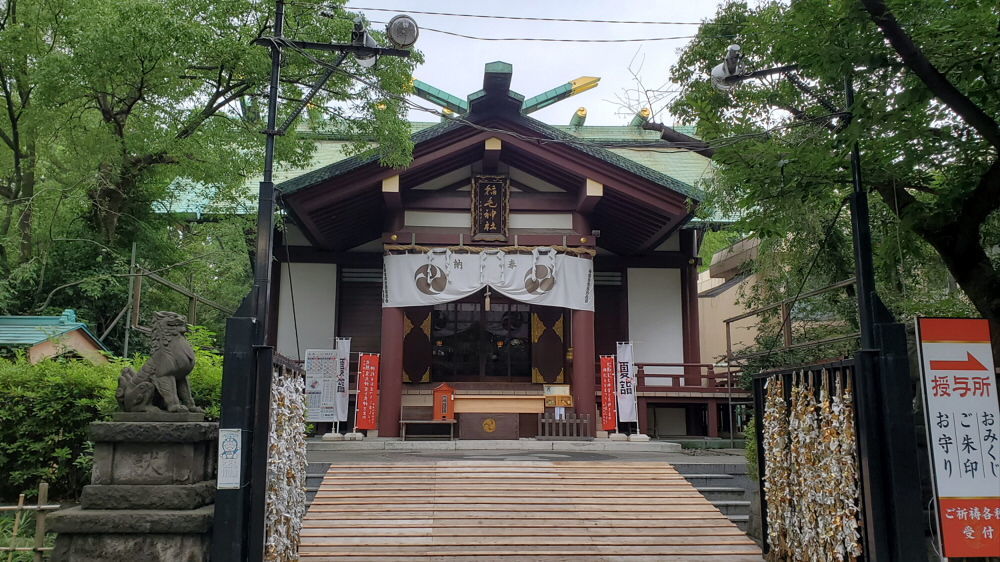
[[546, 511]]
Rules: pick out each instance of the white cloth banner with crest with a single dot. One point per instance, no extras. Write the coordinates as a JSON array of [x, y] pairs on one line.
[[543, 277]]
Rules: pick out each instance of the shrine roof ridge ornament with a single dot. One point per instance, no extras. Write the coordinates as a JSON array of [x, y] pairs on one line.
[[496, 100]]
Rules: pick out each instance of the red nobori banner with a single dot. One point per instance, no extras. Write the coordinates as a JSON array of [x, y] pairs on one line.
[[367, 410], [963, 430], [609, 401]]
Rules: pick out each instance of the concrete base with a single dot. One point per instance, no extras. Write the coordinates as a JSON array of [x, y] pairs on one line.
[[601, 434], [638, 438], [372, 433], [618, 437], [333, 436], [354, 437]]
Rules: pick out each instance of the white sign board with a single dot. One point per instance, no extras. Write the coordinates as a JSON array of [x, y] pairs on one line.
[[963, 432], [321, 385], [230, 456]]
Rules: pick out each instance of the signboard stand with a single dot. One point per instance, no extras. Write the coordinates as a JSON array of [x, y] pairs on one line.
[[962, 415]]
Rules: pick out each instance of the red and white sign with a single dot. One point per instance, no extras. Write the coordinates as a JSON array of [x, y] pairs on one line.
[[609, 402], [962, 408], [366, 416]]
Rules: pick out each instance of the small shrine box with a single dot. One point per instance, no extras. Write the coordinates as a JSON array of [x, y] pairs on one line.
[[444, 402]]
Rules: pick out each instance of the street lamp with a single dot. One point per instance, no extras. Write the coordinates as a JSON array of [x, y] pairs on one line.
[[888, 455], [238, 532], [731, 72]]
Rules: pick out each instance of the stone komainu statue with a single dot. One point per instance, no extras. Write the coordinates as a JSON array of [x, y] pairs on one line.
[[161, 384]]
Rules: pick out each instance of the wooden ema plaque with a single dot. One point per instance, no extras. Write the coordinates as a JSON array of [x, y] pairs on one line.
[[444, 402]]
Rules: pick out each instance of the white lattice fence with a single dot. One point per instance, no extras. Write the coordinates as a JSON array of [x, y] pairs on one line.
[[286, 465]]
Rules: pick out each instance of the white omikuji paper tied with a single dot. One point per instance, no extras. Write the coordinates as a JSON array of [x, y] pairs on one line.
[[342, 377], [543, 277], [625, 387], [321, 385]]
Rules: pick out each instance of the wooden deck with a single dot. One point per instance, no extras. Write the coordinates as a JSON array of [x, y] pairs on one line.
[[546, 511]]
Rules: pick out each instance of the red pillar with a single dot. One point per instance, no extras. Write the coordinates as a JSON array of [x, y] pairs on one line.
[[391, 377], [584, 375], [643, 412], [713, 418]]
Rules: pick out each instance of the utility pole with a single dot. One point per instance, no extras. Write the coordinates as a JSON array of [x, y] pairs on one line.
[[239, 526]]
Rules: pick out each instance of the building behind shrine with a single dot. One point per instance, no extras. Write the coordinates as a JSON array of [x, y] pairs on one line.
[[510, 254]]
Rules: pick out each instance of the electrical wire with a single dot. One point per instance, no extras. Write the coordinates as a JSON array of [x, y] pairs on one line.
[[696, 145], [291, 287], [802, 284], [524, 18]]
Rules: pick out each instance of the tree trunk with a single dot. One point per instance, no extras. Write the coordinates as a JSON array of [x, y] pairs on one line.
[[962, 252], [26, 221]]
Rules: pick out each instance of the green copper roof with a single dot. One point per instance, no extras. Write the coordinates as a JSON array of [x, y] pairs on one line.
[[31, 330]]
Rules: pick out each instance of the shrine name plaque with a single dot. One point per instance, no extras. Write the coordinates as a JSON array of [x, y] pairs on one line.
[[490, 208]]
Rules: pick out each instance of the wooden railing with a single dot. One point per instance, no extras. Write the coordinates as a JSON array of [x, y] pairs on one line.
[[571, 427], [16, 543]]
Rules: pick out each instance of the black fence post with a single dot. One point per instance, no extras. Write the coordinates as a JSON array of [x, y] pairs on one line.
[[758, 427], [906, 523], [232, 506]]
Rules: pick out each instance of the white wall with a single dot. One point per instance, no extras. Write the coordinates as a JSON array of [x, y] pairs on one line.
[[655, 325], [315, 287]]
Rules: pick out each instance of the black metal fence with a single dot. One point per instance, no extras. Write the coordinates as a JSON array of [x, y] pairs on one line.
[[830, 386]]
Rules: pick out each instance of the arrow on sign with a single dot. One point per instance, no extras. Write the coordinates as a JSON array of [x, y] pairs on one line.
[[970, 364]]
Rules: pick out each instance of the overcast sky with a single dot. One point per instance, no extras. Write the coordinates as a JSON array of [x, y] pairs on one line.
[[455, 64]]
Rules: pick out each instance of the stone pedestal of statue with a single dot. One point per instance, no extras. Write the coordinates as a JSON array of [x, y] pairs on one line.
[[150, 496]]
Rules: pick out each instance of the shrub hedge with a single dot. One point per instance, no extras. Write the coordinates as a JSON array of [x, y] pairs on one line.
[[45, 409]]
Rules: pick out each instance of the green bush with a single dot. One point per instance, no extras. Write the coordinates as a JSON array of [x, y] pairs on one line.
[[44, 413], [45, 409]]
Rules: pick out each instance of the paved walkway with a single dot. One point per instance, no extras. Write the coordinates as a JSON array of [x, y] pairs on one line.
[[530, 509]]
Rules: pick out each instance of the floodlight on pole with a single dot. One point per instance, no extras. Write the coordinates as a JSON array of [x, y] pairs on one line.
[[402, 31]]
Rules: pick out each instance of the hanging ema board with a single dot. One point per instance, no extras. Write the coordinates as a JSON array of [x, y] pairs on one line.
[[963, 432]]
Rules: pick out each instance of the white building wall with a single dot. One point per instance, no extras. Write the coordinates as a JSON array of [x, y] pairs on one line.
[[315, 288], [655, 324]]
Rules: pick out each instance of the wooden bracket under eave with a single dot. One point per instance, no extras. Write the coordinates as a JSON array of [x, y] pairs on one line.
[[491, 155], [393, 202], [589, 196]]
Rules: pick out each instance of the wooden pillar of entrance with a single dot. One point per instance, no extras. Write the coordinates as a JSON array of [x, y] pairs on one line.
[[713, 418], [584, 372], [390, 395]]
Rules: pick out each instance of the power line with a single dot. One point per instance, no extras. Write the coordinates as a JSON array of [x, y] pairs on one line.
[[526, 18], [555, 40]]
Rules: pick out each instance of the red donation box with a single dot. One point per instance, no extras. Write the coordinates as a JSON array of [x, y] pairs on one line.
[[444, 402]]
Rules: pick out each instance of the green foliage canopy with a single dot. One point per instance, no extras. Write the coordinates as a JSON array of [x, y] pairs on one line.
[[925, 117], [106, 106]]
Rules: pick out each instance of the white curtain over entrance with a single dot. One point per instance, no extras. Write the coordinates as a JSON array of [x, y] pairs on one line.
[[543, 277]]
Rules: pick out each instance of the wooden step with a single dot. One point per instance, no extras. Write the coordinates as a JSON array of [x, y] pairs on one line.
[[497, 510]]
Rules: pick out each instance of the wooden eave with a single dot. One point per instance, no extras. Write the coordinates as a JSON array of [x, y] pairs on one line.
[[635, 213]]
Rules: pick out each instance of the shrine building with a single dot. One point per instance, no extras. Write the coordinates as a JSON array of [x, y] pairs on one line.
[[503, 261]]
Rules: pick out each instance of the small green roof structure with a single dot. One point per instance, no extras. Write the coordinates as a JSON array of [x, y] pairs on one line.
[[51, 336]]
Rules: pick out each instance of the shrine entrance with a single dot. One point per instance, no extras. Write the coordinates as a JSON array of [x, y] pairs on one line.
[[473, 342]]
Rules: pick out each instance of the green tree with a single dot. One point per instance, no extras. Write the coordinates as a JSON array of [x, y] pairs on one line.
[[925, 118], [110, 105]]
